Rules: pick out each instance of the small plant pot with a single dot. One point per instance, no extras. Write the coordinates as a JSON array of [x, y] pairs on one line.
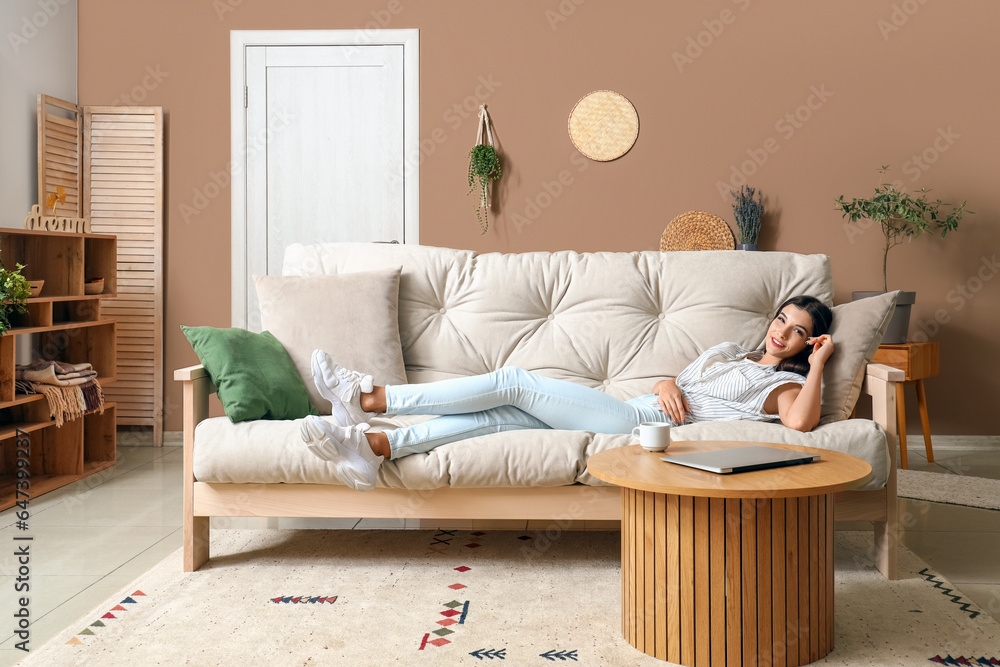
[[746, 246], [899, 325], [36, 287]]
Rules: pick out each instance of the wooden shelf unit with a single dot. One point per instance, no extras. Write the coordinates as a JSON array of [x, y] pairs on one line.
[[67, 326]]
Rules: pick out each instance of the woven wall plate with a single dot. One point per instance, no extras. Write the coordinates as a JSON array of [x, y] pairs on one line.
[[697, 230], [603, 125]]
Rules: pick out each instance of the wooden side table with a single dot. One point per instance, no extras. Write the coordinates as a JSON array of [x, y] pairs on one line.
[[725, 570], [918, 361]]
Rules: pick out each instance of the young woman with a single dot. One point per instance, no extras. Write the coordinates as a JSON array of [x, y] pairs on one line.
[[726, 382]]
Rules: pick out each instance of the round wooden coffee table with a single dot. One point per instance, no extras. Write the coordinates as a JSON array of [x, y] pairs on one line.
[[727, 569]]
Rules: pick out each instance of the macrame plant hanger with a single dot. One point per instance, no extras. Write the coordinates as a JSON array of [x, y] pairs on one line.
[[484, 167], [484, 136]]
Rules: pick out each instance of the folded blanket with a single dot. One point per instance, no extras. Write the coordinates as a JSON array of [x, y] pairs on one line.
[[72, 390], [56, 373]]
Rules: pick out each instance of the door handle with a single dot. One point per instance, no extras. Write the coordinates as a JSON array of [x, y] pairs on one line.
[[392, 241]]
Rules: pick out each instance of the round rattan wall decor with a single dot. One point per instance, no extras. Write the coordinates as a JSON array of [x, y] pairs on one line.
[[603, 125], [697, 230]]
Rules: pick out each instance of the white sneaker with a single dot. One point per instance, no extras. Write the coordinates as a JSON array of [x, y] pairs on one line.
[[347, 447], [342, 388]]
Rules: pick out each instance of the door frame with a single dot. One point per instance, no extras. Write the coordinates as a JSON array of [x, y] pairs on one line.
[[408, 38]]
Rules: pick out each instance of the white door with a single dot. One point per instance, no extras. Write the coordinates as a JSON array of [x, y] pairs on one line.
[[325, 144]]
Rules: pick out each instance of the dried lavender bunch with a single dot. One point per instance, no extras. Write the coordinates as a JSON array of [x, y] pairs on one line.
[[748, 212]]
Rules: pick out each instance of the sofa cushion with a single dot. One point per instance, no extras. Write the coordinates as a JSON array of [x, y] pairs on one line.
[[252, 373], [858, 328], [353, 317], [269, 452]]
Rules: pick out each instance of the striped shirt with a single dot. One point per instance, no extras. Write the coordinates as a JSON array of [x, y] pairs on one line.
[[723, 385]]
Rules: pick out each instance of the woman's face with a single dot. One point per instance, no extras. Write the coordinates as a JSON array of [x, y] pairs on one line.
[[788, 332]]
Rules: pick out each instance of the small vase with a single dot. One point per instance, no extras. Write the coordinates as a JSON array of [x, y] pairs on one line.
[[746, 246]]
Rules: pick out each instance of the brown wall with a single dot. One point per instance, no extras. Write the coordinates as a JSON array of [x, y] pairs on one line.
[[888, 98]]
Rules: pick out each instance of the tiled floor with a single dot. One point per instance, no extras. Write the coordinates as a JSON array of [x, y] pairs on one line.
[[94, 537]]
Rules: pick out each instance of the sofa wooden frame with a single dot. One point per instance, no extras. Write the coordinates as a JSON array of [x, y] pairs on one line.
[[203, 500]]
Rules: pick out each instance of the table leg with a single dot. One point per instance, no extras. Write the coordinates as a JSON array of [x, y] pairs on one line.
[[924, 420], [901, 423]]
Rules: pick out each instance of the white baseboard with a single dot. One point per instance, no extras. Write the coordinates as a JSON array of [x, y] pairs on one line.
[[131, 437], [915, 442]]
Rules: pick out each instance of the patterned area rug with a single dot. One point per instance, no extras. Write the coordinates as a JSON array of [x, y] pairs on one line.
[[464, 598], [951, 489]]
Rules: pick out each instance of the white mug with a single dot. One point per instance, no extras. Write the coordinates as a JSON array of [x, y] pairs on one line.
[[653, 436]]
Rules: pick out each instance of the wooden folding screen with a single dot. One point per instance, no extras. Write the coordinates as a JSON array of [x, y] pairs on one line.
[[59, 154], [112, 170], [123, 195]]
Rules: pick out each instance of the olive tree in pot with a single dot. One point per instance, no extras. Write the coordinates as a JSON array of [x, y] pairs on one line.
[[901, 215]]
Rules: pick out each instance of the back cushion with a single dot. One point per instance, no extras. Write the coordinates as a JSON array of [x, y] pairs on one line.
[[857, 332], [352, 317]]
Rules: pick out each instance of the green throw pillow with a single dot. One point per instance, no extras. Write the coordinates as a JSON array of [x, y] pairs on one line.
[[253, 374]]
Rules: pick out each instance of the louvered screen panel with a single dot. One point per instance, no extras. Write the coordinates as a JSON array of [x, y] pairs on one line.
[[59, 154], [123, 195]]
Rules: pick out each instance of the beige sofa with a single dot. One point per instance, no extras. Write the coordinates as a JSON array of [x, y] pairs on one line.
[[614, 321]]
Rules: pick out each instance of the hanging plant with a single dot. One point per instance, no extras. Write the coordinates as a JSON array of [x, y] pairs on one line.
[[484, 167]]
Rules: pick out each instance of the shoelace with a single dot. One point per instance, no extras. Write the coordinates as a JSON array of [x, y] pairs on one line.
[[354, 380]]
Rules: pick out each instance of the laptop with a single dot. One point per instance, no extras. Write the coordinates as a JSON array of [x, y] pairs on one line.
[[741, 459]]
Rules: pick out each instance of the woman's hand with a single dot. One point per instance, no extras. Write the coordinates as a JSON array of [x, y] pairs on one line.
[[671, 400], [822, 350]]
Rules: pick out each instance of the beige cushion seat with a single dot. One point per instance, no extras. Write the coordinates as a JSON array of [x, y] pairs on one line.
[[272, 451]]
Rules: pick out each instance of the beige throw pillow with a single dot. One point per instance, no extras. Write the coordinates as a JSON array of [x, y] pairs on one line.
[[353, 316], [858, 328]]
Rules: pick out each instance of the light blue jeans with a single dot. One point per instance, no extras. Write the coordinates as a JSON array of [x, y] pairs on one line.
[[506, 400]]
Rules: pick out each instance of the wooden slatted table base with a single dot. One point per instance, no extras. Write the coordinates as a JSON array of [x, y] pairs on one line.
[[728, 581]]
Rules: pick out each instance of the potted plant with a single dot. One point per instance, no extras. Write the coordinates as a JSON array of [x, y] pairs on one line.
[[747, 211], [900, 215], [14, 290], [484, 167]]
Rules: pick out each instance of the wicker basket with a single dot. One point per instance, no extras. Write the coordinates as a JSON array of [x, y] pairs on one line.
[[697, 230], [95, 286]]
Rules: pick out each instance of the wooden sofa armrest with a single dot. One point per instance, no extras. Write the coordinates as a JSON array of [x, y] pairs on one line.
[[197, 387], [880, 383], [191, 373]]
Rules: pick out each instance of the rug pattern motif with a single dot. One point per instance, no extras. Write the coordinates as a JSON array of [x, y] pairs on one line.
[[985, 662], [950, 592], [110, 615]]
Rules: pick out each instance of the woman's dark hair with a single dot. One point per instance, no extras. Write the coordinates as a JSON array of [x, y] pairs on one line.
[[822, 319]]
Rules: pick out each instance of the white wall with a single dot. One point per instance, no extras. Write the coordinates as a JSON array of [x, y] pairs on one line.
[[38, 46]]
